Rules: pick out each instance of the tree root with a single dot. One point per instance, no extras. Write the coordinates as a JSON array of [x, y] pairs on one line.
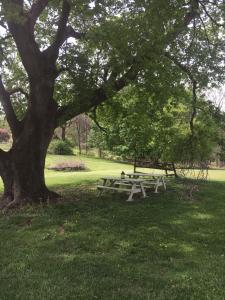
[[49, 197]]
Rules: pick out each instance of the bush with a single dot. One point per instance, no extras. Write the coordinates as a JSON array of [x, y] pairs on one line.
[[60, 148], [4, 135], [69, 166]]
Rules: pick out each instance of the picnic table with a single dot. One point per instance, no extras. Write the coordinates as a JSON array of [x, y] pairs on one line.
[[150, 179], [130, 185]]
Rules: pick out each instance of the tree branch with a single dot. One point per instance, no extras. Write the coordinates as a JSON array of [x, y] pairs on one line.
[[99, 96], [14, 124], [180, 65], [18, 90], [180, 26], [36, 10], [63, 32], [93, 116], [19, 27], [194, 93], [2, 24], [210, 17]]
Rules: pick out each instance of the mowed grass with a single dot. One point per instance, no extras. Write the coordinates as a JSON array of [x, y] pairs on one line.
[[91, 247], [96, 168]]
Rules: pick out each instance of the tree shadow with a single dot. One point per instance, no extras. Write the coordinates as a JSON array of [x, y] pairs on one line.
[[105, 248]]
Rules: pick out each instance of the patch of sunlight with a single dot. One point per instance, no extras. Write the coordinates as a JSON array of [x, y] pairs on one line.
[[186, 247], [153, 228], [68, 257], [124, 244], [202, 216], [19, 266], [177, 222], [168, 245]]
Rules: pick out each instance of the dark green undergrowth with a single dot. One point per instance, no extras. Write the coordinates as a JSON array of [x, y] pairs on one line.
[[91, 247]]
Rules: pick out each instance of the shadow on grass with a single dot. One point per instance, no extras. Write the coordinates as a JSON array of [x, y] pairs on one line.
[[93, 247]]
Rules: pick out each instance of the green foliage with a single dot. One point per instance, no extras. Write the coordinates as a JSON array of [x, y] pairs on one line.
[[60, 147], [120, 35], [138, 125], [97, 138]]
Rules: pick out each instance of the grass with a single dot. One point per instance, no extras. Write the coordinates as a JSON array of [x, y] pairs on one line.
[[105, 248], [96, 168], [90, 247]]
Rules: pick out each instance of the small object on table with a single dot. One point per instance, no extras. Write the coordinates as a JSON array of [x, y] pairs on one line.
[[122, 175]]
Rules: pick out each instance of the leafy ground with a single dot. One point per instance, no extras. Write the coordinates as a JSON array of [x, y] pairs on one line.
[[91, 247]]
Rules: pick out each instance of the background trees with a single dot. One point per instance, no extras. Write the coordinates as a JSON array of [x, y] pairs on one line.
[[138, 125]]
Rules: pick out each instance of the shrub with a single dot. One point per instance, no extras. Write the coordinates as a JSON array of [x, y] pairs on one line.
[[68, 166], [60, 147], [4, 135]]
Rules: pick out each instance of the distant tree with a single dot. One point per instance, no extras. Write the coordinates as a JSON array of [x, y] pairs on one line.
[[82, 129], [97, 139]]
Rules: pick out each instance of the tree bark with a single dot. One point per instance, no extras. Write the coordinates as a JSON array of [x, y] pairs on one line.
[[22, 168], [63, 135], [6, 174]]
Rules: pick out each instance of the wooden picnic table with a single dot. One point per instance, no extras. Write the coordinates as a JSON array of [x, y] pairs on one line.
[[150, 179], [130, 185]]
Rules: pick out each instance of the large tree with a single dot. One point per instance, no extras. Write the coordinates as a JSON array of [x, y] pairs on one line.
[[93, 49]]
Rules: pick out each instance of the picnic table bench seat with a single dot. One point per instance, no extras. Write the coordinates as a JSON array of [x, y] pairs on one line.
[[116, 188]]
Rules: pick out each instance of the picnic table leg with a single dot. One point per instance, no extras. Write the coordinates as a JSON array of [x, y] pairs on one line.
[[164, 183], [101, 190], [130, 198], [143, 190], [156, 186]]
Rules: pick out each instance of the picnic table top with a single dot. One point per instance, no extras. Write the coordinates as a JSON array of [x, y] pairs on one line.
[[146, 174], [122, 179]]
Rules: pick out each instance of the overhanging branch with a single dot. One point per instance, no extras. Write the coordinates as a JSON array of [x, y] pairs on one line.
[[93, 116], [194, 92], [99, 96]]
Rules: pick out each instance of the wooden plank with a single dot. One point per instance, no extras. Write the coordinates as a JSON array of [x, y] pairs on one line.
[[118, 189]]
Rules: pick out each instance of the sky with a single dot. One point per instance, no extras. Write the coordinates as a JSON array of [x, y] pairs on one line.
[[217, 96]]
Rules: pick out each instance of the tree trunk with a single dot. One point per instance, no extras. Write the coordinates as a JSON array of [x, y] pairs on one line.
[[22, 168], [99, 152], [63, 136], [6, 174]]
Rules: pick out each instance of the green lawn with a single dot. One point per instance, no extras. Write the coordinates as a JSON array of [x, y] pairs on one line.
[[96, 168], [90, 247]]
